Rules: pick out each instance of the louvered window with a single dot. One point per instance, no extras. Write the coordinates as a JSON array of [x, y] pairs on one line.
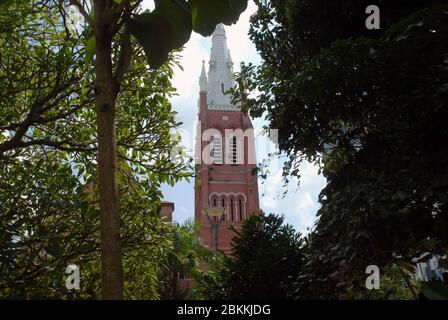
[[216, 152], [233, 151]]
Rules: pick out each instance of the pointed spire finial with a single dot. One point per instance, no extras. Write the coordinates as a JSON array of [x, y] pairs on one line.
[[203, 78], [219, 30], [220, 72]]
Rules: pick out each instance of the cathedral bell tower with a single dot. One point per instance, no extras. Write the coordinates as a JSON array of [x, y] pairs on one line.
[[226, 187]]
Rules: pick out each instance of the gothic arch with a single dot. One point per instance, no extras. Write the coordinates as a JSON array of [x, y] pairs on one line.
[[235, 202], [220, 194]]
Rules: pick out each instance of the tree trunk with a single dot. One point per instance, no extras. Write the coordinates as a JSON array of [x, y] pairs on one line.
[[106, 93]]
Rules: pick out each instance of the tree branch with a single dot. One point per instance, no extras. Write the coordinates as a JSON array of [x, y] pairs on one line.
[[114, 25], [125, 57], [84, 13], [60, 145]]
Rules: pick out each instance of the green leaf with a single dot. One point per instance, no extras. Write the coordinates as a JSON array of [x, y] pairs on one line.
[[53, 249], [166, 28], [206, 14], [90, 48]]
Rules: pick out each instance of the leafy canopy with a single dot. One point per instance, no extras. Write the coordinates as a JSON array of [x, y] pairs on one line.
[[170, 24], [48, 192], [265, 258], [369, 109]]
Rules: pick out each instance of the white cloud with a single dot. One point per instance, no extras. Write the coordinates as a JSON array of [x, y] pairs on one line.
[[186, 81], [197, 49], [304, 201], [300, 204], [241, 48]]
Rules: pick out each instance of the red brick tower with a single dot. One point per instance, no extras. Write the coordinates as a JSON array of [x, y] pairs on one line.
[[225, 153]]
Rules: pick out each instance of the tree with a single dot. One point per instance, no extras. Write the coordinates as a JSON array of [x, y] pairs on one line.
[[369, 111], [47, 122], [106, 37], [265, 258], [48, 220], [166, 28], [184, 262]]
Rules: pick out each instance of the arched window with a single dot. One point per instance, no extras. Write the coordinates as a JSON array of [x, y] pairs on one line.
[[222, 205], [213, 203], [234, 204], [219, 200]]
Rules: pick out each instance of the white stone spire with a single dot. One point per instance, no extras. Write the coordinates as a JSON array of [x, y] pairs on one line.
[[203, 79], [220, 73]]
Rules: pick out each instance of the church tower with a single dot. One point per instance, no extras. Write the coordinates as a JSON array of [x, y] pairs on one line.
[[226, 187]]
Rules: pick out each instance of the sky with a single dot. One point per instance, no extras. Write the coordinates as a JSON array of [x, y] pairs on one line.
[[300, 203]]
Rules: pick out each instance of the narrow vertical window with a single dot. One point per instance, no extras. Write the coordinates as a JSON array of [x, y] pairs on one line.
[[232, 210], [216, 152], [240, 208], [224, 206], [234, 150], [232, 154]]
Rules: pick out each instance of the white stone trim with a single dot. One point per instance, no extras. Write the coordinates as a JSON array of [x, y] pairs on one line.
[[226, 182], [221, 107]]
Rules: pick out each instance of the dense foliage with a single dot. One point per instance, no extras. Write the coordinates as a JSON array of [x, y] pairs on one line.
[[184, 264], [368, 107], [49, 209], [265, 259]]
